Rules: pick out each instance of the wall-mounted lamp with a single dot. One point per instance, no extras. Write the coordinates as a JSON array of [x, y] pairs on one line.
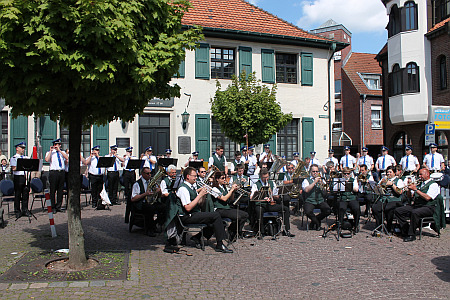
[[123, 123], [184, 119], [185, 115]]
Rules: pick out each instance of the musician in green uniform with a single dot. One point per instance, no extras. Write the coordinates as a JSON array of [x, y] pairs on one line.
[[142, 199], [425, 197], [219, 160], [392, 199], [348, 199]]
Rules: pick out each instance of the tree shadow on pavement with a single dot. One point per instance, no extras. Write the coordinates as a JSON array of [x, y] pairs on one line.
[[442, 264], [101, 232]]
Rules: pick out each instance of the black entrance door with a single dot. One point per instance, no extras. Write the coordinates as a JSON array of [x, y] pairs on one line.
[[154, 130]]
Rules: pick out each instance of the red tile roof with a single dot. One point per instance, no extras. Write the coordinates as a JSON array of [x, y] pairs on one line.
[[439, 25], [241, 16], [362, 63]]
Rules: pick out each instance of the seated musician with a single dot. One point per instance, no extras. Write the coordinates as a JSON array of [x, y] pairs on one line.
[[425, 197], [191, 202], [141, 196], [363, 183], [167, 182], [268, 204], [201, 174], [349, 200], [314, 198], [221, 205], [392, 199]]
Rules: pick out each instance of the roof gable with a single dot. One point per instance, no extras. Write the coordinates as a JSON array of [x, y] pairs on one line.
[[362, 63], [239, 15]]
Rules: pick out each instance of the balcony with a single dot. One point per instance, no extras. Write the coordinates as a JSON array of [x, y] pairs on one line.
[[408, 108]]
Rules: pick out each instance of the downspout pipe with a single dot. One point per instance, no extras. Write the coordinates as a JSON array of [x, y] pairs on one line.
[[333, 50]]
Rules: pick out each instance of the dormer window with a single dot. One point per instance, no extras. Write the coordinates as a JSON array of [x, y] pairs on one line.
[[372, 81]]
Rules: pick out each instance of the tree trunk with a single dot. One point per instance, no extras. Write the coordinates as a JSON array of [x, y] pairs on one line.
[[77, 254]]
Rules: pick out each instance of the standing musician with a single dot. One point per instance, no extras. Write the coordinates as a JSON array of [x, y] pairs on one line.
[[393, 198], [367, 160], [95, 177], [384, 161], [221, 205], [434, 161], [219, 160], [149, 159], [269, 205], [267, 155], [236, 161], [348, 160], [140, 199], [191, 202], [21, 191], [253, 161], [314, 198], [129, 177], [296, 159], [425, 199], [168, 153], [313, 160], [56, 176], [349, 200], [410, 163], [332, 159], [194, 157], [363, 182], [113, 175]]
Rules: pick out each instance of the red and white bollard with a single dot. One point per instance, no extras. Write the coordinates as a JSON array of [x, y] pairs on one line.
[[48, 202]]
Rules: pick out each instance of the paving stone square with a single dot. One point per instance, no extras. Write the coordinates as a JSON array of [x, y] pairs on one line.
[[304, 267]]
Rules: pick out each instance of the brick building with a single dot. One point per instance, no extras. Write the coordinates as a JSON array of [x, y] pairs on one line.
[[415, 67]]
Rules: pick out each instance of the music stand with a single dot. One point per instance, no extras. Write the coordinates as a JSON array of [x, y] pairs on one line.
[[380, 229], [134, 164], [106, 162], [165, 162], [196, 164], [28, 166], [259, 196], [337, 186]]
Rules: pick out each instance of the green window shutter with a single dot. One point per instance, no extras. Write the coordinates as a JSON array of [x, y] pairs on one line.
[[202, 135], [245, 60], [307, 136], [101, 138], [307, 68], [47, 130], [202, 62], [19, 133], [273, 144], [268, 65], [181, 70]]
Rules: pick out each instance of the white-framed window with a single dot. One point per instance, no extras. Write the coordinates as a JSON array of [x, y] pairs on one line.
[[337, 125], [372, 81], [376, 116], [337, 90]]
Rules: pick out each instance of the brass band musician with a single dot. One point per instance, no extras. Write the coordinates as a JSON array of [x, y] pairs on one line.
[[349, 200], [314, 198], [393, 199], [268, 204], [363, 180]]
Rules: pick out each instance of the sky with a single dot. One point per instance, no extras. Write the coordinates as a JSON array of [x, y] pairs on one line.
[[365, 19]]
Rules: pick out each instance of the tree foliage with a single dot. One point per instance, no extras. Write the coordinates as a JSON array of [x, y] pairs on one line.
[[247, 106], [89, 62]]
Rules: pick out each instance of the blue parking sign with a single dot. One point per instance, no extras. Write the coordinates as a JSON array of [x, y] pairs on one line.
[[429, 129]]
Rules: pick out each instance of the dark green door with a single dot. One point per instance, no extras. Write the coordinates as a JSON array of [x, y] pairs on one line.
[[19, 133], [47, 129], [202, 135], [101, 138], [307, 136]]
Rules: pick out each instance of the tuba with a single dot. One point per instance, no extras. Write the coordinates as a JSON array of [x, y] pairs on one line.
[[277, 165], [152, 184], [299, 172]]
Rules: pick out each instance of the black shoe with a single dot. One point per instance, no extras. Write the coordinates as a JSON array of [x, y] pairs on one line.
[[18, 215], [288, 233], [197, 242], [356, 230], [232, 236], [223, 249], [313, 226], [409, 238]]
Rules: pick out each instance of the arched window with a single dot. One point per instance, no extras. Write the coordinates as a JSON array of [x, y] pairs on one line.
[[412, 73], [443, 72], [394, 21], [400, 141], [396, 80], [410, 16]]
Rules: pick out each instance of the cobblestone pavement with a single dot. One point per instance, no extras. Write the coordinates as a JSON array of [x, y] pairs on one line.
[[307, 266]]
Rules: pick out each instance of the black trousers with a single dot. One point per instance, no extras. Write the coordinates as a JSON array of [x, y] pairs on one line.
[[325, 211], [261, 209], [414, 214], [56, 180], [113, 186], [234, 215], [367, 200], [129, 177], [20, 193], [96, 182], [389, 208], [212, 219], [149, 211], [354, 208]]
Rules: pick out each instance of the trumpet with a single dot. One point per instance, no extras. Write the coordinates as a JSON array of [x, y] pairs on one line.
[[209, 189], [363, 178]]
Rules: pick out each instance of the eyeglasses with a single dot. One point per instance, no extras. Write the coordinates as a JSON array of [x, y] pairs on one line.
[[202, 171], [314, 171], [346, 173], [147, 173], [223, 177]]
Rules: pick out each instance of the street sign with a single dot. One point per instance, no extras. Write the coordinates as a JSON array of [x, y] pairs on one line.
[[430, 129], [429, 139]]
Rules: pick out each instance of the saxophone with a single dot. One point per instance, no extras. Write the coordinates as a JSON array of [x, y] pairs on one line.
[[152, 184], [299, 172]]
